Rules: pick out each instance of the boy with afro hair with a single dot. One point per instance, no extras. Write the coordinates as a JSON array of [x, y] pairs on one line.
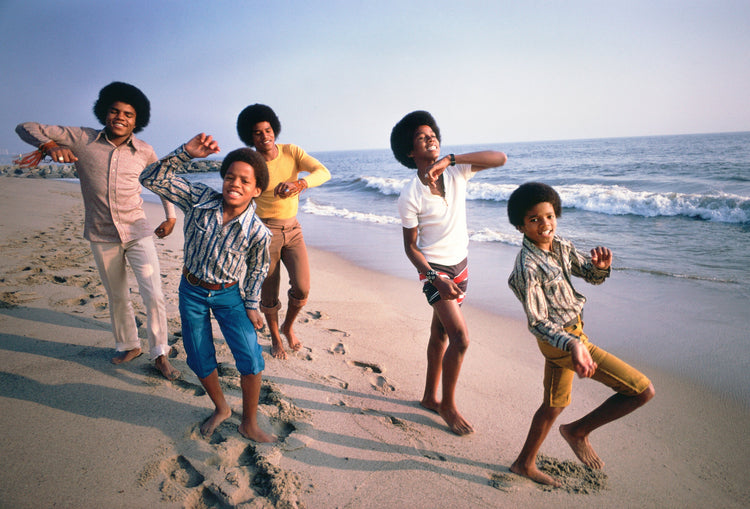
[[109, 162], [541, 280], [432, 207], [258, 126]]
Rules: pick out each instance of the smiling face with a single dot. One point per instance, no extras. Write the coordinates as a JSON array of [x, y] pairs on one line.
[[264, 139], [540, 224], [239, 187], [120, 122], [426, 144]]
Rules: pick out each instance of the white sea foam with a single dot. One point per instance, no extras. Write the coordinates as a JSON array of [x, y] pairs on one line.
[[310, 207], [611, 200]]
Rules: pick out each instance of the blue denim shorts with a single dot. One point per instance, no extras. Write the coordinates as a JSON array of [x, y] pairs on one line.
[[196, 306]]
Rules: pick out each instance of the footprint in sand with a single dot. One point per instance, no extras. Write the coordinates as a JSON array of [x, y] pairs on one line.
[[575, 477], [501, 481], [367, 366], [314, 315], [381, 384], [336, 380], [339, 348]]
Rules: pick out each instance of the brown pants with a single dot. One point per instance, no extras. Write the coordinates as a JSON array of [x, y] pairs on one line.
[[287, 247]]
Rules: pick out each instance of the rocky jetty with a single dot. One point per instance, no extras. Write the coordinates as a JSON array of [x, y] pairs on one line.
[[65, 171]]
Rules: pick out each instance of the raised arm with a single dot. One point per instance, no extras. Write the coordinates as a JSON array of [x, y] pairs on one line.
[[160, 176], [46, 138], [479, 161]]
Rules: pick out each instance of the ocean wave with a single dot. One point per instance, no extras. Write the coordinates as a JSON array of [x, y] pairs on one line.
[[310, 207], [618, 200], [487, 235], [662, 273], [609, 199], [483, 235]]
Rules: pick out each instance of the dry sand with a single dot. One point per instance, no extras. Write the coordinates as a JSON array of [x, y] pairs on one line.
[[81, 432]]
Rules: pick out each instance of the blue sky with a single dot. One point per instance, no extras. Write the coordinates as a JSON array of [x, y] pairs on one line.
[[340, 73]]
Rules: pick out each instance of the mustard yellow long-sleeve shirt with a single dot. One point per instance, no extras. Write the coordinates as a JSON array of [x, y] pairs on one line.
[[286, 167]]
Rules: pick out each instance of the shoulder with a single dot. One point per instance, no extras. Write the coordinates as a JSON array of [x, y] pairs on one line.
[[459, 172], [290, 149], [410, 189], [141, 145]]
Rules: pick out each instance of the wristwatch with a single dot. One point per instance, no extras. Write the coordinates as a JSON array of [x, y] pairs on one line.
[[431, 275]]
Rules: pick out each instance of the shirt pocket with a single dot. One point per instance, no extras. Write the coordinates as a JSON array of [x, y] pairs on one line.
[[554, 284]]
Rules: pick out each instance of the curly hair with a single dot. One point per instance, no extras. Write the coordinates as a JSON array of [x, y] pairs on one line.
[[251, 157], [127, 93], [402, 135], [526, 196], [252, 115]]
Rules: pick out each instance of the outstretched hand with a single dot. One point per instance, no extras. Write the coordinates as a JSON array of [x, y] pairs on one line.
[[601, 257], [202, 145]]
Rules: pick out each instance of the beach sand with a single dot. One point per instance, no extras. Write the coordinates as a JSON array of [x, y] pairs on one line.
[[81, 432]]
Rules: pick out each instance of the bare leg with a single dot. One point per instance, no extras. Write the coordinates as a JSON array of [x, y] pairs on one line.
[[525, 464], [435, 351], [222, 412], [453, 322], [165, 368], [277, 346], [577, 433], [250, 394], [127, 356], [291, 315]]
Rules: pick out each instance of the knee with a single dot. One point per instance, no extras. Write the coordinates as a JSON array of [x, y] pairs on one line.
[[297, 297], [647, 394], [459, 340]]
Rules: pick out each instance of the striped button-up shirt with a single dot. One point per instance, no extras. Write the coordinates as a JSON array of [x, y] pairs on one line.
[[109, 179], [214, 252], [541, 281]]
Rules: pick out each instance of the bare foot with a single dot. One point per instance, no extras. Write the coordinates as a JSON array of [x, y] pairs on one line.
[[166, 369], [430, 404], [535, 475], [256, 434], [210, 424], [126, 356], [277, 349], [455, 421], [581, 447], [291, 338]]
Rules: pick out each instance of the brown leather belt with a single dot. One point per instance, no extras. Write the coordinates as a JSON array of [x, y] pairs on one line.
[[196, 281]]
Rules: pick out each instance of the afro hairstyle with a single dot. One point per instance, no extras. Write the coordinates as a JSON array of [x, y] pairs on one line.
[[251, 157], [252, 115], [527, 196], [123, 92], [402, 135]]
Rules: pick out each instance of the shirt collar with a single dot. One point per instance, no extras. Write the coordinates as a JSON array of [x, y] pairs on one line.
[[540, 252], [132, 141], [215, 200]]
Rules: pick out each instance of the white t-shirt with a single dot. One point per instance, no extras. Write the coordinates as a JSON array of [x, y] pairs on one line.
[[442, 236]]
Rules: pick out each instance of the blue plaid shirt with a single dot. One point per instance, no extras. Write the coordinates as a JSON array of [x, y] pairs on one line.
[[214, 252]]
